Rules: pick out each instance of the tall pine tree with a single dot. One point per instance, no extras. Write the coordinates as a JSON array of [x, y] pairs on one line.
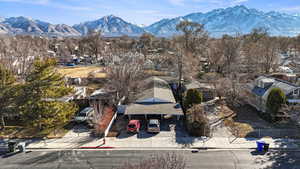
[[43, 86], [7, 93]]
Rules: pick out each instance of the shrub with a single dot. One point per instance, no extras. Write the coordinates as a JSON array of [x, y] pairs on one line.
[[197, 121], [275, 100], [200, 75], [192, 97]]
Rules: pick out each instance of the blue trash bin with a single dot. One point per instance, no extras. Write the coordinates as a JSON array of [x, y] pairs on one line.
[[260, 145]]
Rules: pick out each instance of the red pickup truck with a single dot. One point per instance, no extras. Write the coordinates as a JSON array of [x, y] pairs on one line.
[[133, 126]]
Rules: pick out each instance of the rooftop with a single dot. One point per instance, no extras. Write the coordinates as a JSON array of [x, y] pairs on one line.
[[285, 86], [155, 90], [196, 85], [154, 109], [156, 98]]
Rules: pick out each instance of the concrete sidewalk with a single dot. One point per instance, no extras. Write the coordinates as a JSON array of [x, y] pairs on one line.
[[190, 142], [63, 143]]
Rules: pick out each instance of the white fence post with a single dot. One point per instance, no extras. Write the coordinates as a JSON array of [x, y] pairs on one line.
[[110, 124]]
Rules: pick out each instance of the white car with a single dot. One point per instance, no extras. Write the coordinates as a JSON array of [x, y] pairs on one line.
[[153, 126], [85, 115]]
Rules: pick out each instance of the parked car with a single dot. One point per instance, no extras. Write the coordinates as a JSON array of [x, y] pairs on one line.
[[153, 126], [133, 126], [70, 64], [85, 115]]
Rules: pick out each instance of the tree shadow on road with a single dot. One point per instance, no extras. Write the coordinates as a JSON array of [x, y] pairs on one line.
[[183, 138], [41, 159], [278, 159]]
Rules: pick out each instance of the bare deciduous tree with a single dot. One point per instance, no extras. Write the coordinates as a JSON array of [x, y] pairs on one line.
[[124, 77]]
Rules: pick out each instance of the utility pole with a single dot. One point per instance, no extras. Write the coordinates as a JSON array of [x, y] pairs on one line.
[[179, 66], [179, 58]]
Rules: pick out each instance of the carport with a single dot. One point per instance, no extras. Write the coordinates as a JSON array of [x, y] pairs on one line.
[[167, 109], [156, 98]]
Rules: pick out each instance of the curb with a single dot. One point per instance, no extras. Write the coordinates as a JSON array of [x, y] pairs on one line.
[[157, 148], [97, 147], [222, 148]]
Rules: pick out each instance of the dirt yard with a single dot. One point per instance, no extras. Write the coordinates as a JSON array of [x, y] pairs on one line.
[[248, 123], [247, 114]]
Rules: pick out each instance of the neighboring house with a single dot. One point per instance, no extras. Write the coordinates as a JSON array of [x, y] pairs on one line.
[[206, 89], [156, 99], [285, 69], [258, 92], [292, 78]]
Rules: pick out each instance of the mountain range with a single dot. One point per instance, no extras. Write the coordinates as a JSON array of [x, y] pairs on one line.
[[232, 20]]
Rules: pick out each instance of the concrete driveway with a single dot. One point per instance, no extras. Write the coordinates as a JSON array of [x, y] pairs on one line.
[[171, 135], [169, 128]]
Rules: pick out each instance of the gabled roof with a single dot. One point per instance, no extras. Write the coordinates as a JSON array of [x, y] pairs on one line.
[[154, 109], [155, 90], [156, 98], [259, 91], [197, 85], [285, 86]]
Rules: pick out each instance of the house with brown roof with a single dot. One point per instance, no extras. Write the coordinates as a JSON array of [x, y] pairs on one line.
[[156, 98]]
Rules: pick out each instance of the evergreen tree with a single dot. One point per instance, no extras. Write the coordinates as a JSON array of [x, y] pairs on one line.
[[7, 94], [43, 86], [193, 96], [275, 100]]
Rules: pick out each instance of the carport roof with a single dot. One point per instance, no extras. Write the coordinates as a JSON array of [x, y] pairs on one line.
[[154, 109]]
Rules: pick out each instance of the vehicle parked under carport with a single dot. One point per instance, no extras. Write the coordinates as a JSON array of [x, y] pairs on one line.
[[133, 126]]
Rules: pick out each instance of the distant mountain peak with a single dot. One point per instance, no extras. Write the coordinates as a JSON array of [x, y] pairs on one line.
[[231, 20], [110, 25], [108, 17], [217, 22], [26, 25], [1, 19]]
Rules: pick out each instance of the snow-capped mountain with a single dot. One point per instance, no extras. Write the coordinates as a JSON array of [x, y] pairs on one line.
[[110, 26], [3, 29], [238, 19], [1, 19], [23, 25], [232, 20]]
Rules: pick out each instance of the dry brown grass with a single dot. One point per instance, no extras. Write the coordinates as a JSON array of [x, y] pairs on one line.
[[238, 129], [82, 71], [155, 73], [22, 133]]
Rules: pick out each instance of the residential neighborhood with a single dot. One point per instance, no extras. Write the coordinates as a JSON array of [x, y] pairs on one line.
[[178, 94]]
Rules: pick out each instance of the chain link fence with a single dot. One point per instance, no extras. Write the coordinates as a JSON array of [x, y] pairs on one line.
[[275, 133]]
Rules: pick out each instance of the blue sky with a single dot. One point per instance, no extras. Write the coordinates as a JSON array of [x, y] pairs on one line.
[[135, 11]]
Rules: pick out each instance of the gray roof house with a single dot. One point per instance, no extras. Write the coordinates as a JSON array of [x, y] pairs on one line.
[[156, 98], [262, 87], [206, 89]]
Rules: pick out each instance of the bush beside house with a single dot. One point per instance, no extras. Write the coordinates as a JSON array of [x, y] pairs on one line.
[[197, 121], [275, 101]]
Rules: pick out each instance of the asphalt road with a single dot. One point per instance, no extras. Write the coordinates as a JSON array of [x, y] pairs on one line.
[[210, 159]]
